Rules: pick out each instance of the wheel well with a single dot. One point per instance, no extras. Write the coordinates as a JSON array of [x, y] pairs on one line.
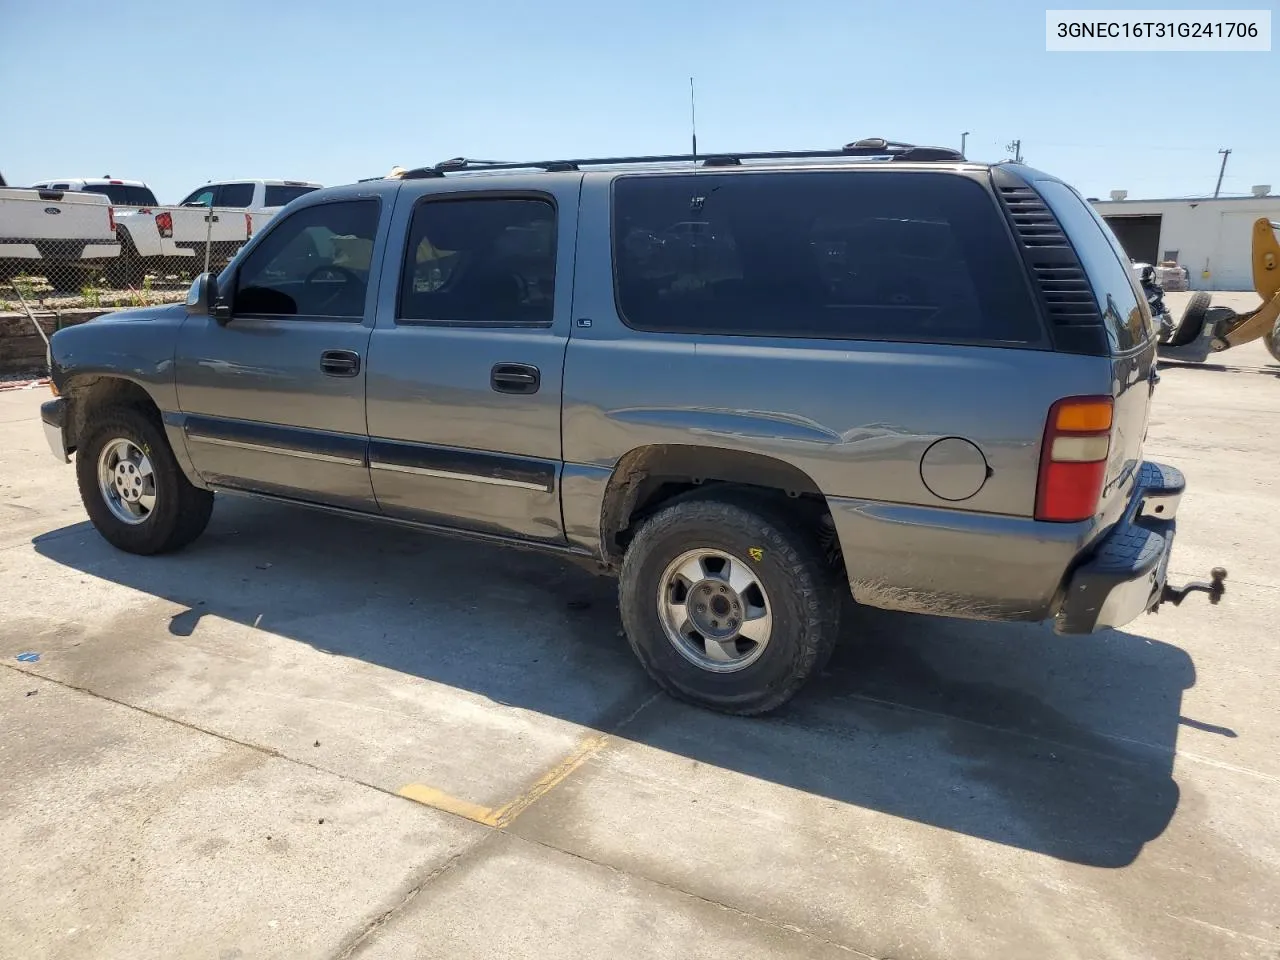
[[87, 395], [650, 477]]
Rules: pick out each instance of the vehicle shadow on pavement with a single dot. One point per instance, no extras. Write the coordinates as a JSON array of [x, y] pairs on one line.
[[1059, 745]]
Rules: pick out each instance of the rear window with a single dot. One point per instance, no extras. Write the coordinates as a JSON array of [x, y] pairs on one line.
[[845, 255], [1124, 313], [279, 196], [235, 195], [123, 196]]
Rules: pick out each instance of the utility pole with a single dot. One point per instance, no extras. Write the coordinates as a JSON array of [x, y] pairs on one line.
[[1015, 147], [1221, 170], [963, 137]]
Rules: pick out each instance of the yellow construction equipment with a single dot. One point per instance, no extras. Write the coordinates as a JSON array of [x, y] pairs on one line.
[[1263, 322]]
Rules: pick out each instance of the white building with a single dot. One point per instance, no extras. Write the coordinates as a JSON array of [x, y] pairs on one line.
[[1212, 238]]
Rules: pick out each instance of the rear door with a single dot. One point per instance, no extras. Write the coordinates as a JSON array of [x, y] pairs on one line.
[[465, 363], [1131, 332], [273, 400]]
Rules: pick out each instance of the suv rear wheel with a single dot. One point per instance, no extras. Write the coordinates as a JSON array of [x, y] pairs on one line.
[[727, 604], [132, 487]]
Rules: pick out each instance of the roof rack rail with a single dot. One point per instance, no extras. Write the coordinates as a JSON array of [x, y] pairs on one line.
[[871, 147]]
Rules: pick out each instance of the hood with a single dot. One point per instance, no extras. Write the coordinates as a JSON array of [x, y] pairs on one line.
[[140, 314]]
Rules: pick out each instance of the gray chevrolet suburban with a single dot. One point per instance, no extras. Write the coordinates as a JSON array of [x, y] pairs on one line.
[[749, 384]]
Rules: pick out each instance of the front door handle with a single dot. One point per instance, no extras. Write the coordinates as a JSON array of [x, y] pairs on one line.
[[340, 363], [515, 378]]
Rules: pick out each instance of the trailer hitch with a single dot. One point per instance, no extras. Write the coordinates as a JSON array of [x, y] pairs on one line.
[[1215, 588]]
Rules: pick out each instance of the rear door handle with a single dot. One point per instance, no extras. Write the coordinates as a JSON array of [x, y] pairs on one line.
[[340, 363], [515, 378]]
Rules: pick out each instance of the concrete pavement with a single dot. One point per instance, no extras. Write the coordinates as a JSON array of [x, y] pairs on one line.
[[497, 777]]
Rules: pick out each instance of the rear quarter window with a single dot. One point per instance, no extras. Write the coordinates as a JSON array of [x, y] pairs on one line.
[[823, 254], [279, 196], [1125, 315], [238, 196]]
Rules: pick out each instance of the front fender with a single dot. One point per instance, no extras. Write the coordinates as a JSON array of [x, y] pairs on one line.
[[124, 357], [133, 345]]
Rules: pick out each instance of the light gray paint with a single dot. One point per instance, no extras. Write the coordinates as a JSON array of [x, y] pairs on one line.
[[856, 418], [429, 384]]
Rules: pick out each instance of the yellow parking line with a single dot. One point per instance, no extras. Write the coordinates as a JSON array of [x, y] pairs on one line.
[[503, 815], [432, 797], [548, 781]]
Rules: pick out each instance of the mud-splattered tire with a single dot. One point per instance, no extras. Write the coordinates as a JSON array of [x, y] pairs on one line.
[[801, 590], [180, 511], [1192, 322]]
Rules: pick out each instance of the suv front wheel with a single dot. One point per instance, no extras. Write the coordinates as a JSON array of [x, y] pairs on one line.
[[727, 604], [132, 487]]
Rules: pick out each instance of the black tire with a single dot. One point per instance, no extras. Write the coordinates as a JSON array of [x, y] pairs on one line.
[[804, 594], [1192, 323], [181, 510], [128, 269], [1271, 340]]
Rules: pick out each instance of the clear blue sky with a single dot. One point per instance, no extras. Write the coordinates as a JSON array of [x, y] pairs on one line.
[[177, 93]]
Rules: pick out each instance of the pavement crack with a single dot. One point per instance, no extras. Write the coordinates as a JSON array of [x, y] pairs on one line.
[[196, 728], [380, 921], [371, 928], [681, 891]]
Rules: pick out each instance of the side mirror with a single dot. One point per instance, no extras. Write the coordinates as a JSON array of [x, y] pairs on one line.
[[203, 299]]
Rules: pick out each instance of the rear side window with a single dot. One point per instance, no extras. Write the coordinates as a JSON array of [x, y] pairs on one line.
[[123, 196], [279, 196], [1124, 313], [237, 195], [844, 255], [487, 261]]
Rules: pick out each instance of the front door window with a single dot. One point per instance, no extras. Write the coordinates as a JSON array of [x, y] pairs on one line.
[[315, 263]]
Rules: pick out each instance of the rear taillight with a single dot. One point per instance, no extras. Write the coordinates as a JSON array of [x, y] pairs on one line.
[[111, 218], [164, 223], [248, 227], [1073, 460]]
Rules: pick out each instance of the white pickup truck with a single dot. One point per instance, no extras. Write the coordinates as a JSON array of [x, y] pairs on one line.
[[59, 234], [121, 193], [222, 215]]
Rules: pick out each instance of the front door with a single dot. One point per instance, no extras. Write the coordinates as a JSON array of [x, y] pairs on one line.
[[466, 359], [273, 399]]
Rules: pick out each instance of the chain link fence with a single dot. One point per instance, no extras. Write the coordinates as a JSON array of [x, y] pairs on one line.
[[64, 272], [39, 295], [67, 257]]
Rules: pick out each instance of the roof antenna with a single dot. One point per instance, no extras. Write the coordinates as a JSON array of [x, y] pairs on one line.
[[693, 121]]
